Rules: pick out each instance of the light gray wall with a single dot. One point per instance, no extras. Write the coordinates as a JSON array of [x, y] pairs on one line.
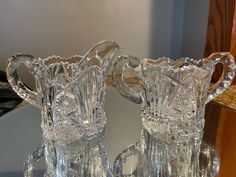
[[167, 18], [178, 28], [43, 28], [150, 28]]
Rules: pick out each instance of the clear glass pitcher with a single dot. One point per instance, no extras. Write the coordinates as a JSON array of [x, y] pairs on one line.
[[174, 92], [148, 158], [70, 93], [173, 98]]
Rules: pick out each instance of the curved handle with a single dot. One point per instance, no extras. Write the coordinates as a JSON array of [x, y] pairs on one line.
[[227, 76], [18, 86], [122, 158], [121, 64], [209, 161], [33, 158]]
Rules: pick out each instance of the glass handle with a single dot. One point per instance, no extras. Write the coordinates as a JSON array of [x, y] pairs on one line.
[[122, 63], [209, 161], [18, 86], [33, 158], [227, 75], [122, 158]]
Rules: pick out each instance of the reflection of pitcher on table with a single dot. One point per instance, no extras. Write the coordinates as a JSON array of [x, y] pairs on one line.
[[148, 158], [173, 101], [70, 93]]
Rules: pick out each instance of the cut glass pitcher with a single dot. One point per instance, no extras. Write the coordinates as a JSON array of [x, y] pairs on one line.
[[70, 93], [173, 98]]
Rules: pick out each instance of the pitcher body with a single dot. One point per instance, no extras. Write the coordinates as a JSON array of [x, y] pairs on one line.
[[173, 98], [70, 93]]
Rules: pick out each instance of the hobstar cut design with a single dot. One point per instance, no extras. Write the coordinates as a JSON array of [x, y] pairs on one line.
[[70, 93], [78, 104], [174, 92], [173, 98]]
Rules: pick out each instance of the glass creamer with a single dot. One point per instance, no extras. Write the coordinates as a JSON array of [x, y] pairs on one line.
[[70, 93], [173, 96]]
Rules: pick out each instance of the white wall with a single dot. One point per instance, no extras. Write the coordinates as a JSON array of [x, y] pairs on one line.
[[46, 27], [145, 28]]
